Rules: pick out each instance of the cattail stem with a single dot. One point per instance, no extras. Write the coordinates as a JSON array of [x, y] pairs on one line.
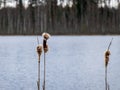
[[39, 51], [107, 53], [38, 82], [46, 36], [44, 71], [106, 86]]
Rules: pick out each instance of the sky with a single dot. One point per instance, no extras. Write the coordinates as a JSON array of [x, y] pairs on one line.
[[12, 3], [113, 3]]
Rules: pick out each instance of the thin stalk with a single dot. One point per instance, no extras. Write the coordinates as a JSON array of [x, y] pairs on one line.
[[110, 44], [38, 82], [106, 86], [39, 51], [44, 71], [37, 40]]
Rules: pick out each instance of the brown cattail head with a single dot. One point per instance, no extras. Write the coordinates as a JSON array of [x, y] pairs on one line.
[[39, 49], [44, 43], [46, 48], [107, 53], [46, 36]]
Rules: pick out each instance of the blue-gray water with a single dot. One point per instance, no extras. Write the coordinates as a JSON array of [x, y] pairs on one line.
[[73, 63]]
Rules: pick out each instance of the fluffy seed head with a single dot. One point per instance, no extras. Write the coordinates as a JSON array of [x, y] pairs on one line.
[[107, 53], [46, 35], [39, 49]]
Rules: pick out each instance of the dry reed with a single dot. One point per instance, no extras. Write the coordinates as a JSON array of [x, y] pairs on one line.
[[107, 54], [46, 36], [39, 52]]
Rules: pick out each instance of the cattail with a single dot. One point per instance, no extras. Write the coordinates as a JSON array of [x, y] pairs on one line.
[[39, 51], [46, 48], [107, 53], [46, 36]]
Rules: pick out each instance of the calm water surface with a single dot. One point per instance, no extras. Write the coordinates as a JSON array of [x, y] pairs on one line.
[[73, 63]]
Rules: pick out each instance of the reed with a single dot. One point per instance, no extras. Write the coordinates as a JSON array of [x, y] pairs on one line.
[[46, 36], [39, 52], [107, 54]]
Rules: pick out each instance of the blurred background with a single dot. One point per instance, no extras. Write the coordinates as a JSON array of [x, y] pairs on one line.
[[68, 17]]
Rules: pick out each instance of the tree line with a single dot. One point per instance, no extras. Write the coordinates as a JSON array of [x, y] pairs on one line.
[[77, 17]]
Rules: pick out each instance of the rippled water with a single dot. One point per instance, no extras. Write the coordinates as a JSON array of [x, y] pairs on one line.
[[73, 63]]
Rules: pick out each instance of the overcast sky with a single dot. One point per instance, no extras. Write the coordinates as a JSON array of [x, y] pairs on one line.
[[113, 3]]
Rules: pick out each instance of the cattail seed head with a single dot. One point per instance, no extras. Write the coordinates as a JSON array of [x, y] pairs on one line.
[[46, 48], [107, 53], [46, 36], [39, 49]]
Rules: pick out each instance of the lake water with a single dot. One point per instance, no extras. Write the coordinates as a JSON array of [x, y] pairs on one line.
[[73, 63]]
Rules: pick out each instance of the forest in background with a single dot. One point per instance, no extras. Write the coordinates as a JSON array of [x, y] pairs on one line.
[[84, 17]]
